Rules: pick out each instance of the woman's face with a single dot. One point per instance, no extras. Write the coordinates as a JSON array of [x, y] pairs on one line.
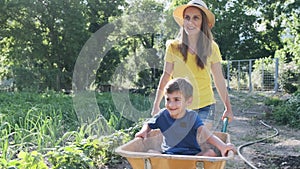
[[192, 20]]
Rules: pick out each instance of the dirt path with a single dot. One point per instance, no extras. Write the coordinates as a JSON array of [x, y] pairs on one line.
[[280, 152]]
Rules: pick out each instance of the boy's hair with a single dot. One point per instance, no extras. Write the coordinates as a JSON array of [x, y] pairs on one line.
[[180, 84]]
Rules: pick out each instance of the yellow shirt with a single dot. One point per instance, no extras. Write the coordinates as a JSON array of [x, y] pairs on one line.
[[200, 78]]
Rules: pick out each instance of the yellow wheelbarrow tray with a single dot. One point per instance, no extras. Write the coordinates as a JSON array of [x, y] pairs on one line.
[[137, 152]]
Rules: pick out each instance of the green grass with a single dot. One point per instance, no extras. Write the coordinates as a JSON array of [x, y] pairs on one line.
[[41, 130]]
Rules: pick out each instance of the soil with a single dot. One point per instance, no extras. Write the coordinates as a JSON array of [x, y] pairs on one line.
[[279, 152]]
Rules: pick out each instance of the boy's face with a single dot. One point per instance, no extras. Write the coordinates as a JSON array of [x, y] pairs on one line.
[[176, 104]]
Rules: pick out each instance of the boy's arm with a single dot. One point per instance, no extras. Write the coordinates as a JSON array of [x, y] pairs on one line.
[[144, 131], [214, 140]]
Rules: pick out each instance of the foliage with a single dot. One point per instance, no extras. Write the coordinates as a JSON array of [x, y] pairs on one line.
[[68, 157], [235, 31], [289, 54], [26, 160], [40, 130], [289, 73], [142, 40], [102, 150], [290, 33], [109, 65], [264, 73], [286, 112], [148, 80], [290, 81], [85, 153], [273, 101], [42, 39], [117, 112]]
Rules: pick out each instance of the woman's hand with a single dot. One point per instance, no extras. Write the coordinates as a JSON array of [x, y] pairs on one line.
[[229, 114]]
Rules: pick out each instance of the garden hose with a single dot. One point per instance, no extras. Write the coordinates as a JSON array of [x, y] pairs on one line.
[[253, 142]]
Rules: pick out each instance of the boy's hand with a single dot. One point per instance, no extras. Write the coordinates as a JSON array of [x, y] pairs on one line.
[[227, 148], [155, 110], [141, 134]]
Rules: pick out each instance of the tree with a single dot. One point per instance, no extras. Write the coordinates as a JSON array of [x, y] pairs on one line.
[[45, 37], [289, 54], [137, 36]]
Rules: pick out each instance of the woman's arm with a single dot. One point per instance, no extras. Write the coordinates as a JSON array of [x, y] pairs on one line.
[[168, 70], [219, 81]]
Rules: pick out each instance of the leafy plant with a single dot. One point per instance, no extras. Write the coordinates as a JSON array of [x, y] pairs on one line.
[[39, 130], [273, 101], [68, 157], [287, 112], [26, 160], [32, 160]]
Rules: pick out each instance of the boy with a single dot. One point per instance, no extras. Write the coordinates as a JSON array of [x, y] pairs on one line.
[[180, 126]]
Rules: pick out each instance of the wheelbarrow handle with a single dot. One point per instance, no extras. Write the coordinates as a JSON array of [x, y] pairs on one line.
[[225, 124]]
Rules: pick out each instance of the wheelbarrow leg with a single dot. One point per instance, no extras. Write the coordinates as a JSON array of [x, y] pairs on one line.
[[199, 165], [147, 164]]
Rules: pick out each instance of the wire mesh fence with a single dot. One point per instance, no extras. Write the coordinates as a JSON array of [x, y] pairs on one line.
[[253, 74]]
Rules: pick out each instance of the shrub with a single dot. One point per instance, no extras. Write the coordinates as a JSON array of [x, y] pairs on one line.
[[289, 77], [287, 112], [25, 160], [263, 74], [148, 80], [68, 157]]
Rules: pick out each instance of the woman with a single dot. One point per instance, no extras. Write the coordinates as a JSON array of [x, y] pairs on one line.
[[196, 56]]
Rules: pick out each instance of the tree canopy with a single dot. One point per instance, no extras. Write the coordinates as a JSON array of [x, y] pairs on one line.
[[40, 40]]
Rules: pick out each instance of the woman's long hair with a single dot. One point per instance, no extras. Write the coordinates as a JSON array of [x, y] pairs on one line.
[[204, 43]]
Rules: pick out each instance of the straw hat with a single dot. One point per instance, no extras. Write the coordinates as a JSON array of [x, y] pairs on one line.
[[178, 12]]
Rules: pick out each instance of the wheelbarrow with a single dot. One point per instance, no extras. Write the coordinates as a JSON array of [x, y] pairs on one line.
[[142, 154]]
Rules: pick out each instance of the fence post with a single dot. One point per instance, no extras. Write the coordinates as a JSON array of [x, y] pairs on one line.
[[276, 86], [228, 75], [250, 79]]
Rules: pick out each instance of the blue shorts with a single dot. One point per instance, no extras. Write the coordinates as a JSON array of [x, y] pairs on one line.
[[206, 113]]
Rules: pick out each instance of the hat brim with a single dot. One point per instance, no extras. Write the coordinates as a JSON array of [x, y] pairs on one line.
[[178, 14]]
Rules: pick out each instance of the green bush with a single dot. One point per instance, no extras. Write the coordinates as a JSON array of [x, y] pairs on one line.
[[287, 112], [273, 101], [68, 157], [25, 160], [116, 117], [289, 77], [148, 80]]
